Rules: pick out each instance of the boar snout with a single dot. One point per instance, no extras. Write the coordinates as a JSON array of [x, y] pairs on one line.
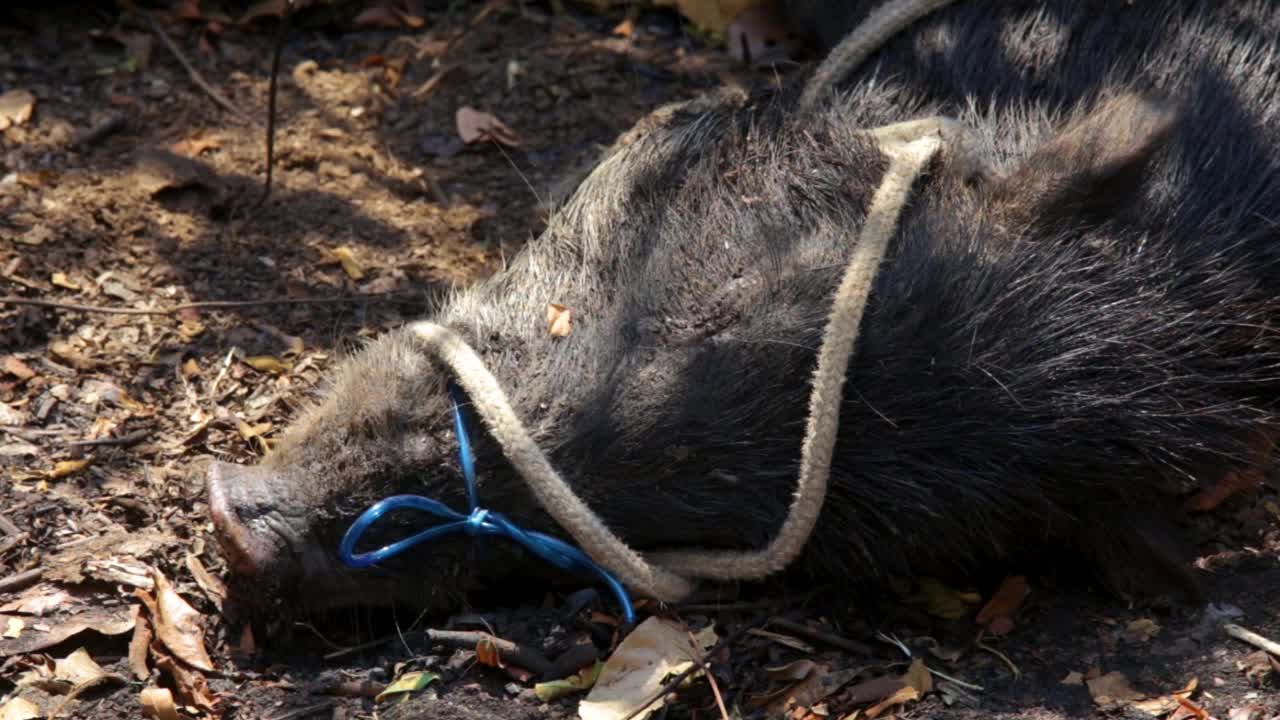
[[248, 517]]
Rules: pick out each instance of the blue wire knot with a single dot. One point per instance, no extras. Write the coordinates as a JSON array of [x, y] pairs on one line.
[[478, 522]]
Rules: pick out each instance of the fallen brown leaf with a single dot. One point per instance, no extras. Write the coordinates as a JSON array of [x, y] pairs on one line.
[[918, 677], [17, 368], [475, 126], [61, 280], [191, 686], [139, 644], [901, 697], [1141, 630], [1112, 687], [16, 107], [158, 703], [177, 624], [20, 709], [197, 144], [109, 621], [559, 319], [66, 468], [999, 611]]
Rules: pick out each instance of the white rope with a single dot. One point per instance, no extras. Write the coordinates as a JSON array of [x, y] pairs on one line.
[[883, 23], [670, 576]]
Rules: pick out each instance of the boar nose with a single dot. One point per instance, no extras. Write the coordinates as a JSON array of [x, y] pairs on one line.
[[235, 494]]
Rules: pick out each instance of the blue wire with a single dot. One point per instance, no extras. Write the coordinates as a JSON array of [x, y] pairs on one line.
[[479, 522]]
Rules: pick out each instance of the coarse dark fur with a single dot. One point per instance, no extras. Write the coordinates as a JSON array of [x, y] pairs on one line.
[[1048, 353]]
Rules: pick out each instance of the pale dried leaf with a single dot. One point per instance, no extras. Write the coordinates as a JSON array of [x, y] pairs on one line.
[[918, 677], [1112, 687], [65, 468], [902, 696], [13, 627], [177, 625], [1141, 630], [347, 258], [655, 650], [78, 668], [158, 703], [474, 126], [559, 320], [16, 107], [62, 281], [38, 600], [267, 364], [1073, 678], [20, 709], [139, 644]]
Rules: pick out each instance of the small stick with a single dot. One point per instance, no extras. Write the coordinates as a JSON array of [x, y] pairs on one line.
[[711, 679], [822, 636], [204, 304], [109, 125], [1252, 638], [22, 580], [271, 99], [304, 711], [195, 75], [132, 438], [8, 527]]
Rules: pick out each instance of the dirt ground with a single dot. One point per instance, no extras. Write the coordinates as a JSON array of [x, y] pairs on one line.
[[130, 186]]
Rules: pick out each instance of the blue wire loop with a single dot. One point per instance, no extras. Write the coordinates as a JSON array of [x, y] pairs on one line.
[[479, 522]]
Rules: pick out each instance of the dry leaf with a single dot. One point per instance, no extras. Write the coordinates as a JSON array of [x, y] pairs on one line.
[[1112, 687], [918, 677], [64, 468], [1141, 630], [999, 611], [78, 668], [177, 624], [190, 685], [655, 650], [1073, 678], [407, 683], [20, 709], [1166, 704], [474, 126], [344, 256], [197, 144], [384, 17], [16, 107], [17, 368], [941, 600], [874, 690], [708, 15], [904, 695], [13, 628], [139, 644], [487, 653], [558, 320], [158, 703], [581, 680], [267, 364], [38, 601], [62, 281], [103, 620], [190, 368]]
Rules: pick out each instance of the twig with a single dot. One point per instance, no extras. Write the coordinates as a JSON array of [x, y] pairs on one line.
[[132, 438], [195, 75], [701, 663], [10, 542], [271, 99], [509, 652], [202, 305], [1017, 672], [8, 527], [822, 636], [110, 124], [711, 680], [22, 580], [304, 711], [1252, 638]]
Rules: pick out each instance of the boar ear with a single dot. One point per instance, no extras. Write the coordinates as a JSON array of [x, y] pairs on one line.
[[1092, 168]]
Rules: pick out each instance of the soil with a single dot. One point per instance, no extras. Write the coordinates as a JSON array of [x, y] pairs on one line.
[[131, 187]]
